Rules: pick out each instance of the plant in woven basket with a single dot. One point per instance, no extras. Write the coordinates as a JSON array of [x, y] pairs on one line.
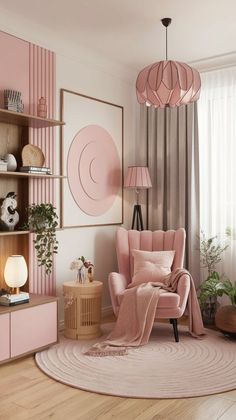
[[42, 220]]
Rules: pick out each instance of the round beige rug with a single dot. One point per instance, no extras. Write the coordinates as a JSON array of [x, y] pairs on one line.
[[161, 369]]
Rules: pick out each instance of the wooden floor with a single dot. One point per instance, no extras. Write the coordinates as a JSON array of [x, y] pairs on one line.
[[27, 393]]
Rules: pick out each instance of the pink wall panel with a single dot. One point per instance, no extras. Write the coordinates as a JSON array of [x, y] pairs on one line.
[[32, 328], [5, 337], [31, 69], [14, 53], [42, 83]]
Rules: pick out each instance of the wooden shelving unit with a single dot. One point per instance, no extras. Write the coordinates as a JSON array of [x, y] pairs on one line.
[[26, 120], [14, 135]]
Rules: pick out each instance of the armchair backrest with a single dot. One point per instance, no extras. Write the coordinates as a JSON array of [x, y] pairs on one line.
[[146, 240]]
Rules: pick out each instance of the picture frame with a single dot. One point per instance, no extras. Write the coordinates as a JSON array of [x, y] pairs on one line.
[[91, 161]]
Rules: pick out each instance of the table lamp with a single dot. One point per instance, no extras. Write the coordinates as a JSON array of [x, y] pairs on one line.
[[137, 177], [15, 272]]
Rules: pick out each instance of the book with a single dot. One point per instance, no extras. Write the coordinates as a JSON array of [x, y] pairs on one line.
[[37, 172], [35, 168], [19, 302], [9, 300]]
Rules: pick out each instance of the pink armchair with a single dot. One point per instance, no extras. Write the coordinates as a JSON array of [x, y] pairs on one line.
[[170, 305]]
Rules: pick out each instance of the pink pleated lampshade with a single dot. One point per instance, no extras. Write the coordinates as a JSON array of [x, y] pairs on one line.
[[168, 84], [137, 177]]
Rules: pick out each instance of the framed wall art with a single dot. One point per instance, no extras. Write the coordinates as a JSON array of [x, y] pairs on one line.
[[92, 161]]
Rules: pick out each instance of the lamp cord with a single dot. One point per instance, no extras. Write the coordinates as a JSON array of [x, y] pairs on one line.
[[166, 44]]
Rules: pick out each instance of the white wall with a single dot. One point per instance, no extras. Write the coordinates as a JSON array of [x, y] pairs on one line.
[[86, 72], [96, 243]]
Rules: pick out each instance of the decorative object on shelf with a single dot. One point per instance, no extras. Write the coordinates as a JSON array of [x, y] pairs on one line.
[[42, 107], [32, 156], [43, 170], [13, 101], [211, 250], [84, 268], [137, 177], [3, 165], [11, 162], [42, 220], [9, 216], [168, 83], [15, 272], [93, 158]]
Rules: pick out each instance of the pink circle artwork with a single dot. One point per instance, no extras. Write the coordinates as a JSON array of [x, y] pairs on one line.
[[94, 171]]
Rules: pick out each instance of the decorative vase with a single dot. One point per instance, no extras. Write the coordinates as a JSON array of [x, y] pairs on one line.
[[90, 274], [11, 162], [225, 320], [209, 310], [81, 275], [42, 108]]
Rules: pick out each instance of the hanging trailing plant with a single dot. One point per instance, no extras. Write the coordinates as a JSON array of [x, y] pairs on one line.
[[43, 221]]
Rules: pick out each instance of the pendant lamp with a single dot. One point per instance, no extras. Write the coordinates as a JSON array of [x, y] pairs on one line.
[[168, 83]]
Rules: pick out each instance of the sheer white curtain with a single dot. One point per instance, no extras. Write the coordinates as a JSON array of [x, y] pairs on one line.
[[217, 142]]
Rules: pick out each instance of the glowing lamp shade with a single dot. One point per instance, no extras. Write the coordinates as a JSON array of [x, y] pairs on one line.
[[16, 271]]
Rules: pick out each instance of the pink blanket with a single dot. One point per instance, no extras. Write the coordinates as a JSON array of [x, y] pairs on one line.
[[137, 312]]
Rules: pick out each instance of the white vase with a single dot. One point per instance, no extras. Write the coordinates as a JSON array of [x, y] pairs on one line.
[[11, 162]]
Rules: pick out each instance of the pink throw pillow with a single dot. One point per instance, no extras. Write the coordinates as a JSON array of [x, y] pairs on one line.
[[151, 266]]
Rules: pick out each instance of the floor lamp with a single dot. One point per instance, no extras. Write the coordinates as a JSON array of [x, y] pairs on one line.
[[137, 177]]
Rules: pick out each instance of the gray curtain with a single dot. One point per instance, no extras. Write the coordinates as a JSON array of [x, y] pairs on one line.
[[173, 160]]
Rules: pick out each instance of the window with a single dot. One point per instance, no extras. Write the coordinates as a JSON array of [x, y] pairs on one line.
[[217, 145]]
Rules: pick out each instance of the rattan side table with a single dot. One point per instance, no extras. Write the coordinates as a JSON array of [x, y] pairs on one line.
[[82, 309]]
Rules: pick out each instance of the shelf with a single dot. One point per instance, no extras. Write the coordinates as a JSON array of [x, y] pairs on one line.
[[27, 175], [20, 232], [14, 232], [27, 120]]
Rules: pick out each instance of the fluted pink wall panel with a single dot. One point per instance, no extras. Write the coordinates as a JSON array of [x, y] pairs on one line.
[[42, 83]]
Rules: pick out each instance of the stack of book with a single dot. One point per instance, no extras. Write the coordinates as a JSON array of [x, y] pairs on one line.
[[13, 101], [36, 170], [12, 300]]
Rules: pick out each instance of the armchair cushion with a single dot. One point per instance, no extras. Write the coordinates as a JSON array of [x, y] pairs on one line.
[[167, 300], [151, 266]]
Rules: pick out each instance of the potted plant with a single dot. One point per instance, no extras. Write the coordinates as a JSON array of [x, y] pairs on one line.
[[42, 220], [211, 250], [225, 318]]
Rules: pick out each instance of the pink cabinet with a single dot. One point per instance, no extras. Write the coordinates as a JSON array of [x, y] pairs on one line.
[[28, 328], [4, 337], [33, 328]]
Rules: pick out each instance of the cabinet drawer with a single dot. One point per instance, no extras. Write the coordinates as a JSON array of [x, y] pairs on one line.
[[5, 336], [33, 328]]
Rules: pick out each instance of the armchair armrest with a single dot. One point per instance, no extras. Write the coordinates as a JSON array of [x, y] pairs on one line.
[[117, 284], [183, 289]]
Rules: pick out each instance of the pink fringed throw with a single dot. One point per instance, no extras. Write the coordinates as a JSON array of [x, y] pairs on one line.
[[137, 312]]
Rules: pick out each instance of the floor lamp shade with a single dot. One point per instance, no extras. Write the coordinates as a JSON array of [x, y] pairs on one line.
[[137, 177], [15, 272]]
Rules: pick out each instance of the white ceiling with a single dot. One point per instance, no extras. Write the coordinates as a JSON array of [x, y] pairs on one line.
[[130, 31]]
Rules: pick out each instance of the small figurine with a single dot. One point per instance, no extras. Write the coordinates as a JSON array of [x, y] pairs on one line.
[[9, 216]]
